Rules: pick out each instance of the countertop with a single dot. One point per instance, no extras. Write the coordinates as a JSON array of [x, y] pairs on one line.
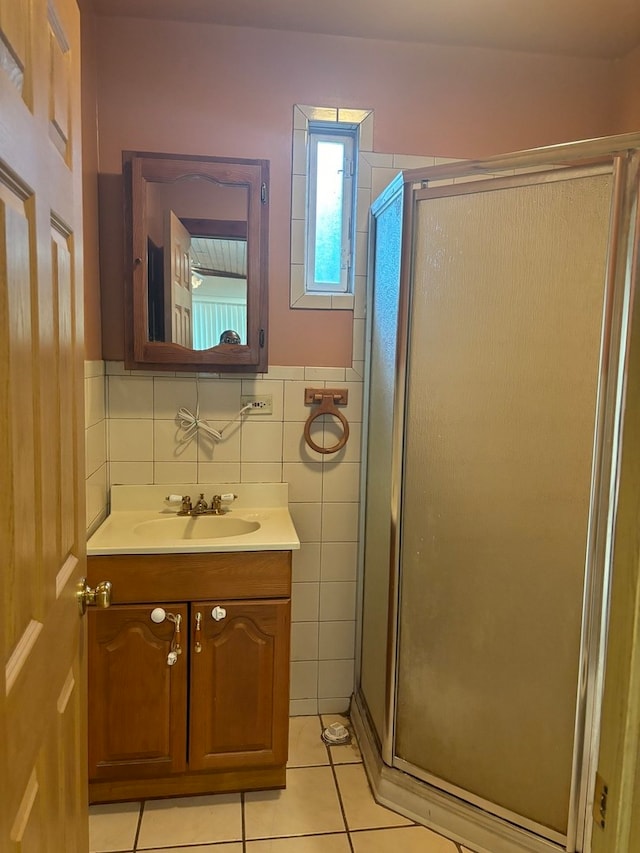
[[124, 531]]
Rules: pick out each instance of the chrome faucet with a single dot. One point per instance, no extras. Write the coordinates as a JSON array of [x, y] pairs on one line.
[[202, 507]]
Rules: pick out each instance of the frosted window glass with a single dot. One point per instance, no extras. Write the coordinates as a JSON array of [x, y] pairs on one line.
[[329, 201], [504, 352]]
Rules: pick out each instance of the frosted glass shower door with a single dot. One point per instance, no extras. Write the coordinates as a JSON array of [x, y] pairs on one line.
[[504, 350], [383, 300]]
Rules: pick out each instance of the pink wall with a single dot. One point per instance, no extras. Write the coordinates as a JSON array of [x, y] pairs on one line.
[[179, 87], [628, 104], [92, 320]]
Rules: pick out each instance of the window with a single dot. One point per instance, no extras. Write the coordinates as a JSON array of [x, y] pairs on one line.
[[330, 206], [327, 221]]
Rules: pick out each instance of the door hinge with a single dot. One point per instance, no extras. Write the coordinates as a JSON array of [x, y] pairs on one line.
[[600, 796], [261, 338], [263, 193]]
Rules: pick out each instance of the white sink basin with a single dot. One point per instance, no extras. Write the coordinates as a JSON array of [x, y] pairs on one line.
[[194, 527]]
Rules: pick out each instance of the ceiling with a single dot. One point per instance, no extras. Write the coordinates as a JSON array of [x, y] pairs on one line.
[[213, 256], [588, 28]]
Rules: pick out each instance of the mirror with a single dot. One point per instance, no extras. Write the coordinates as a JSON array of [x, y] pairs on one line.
[[197, 262]]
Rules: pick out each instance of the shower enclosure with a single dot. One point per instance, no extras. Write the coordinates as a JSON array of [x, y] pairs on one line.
[[497, 319]]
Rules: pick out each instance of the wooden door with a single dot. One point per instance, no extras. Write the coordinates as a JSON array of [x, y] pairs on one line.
[[239, 709], [177, 277], [43, 799], [137, 699]]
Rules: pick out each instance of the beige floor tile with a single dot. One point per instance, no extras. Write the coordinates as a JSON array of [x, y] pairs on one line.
[[302, 844], [306, 748], [191, 820], [201, 848], [361, 809], [309, 804], [348, 753], [113, 827], [411, 839]]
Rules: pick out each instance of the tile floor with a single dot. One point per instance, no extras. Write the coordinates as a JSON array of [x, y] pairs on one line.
[[327, 807]]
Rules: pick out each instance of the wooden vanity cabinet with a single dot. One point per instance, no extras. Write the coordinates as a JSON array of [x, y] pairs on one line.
[[217, 719]]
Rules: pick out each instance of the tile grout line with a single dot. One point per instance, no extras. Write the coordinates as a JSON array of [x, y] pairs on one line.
[[139, 826], [107, 417], [338, 791], [243, 824], [318, 615], [153, 429]]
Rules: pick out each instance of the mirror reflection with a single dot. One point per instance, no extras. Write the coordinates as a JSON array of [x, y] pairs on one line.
[[196, 262]]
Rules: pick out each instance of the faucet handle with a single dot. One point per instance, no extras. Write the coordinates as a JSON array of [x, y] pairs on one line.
[[186, 504], [216, 502]]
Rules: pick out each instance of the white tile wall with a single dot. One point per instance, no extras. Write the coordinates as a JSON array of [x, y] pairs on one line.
[[95, 444]]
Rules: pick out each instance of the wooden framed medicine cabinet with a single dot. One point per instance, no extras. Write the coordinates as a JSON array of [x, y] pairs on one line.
[[196, 259]]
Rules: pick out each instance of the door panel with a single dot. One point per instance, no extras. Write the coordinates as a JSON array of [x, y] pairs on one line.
[[137, 701], [239, 686], [177, 249], [16, 224], [43, 686], [14, 23]]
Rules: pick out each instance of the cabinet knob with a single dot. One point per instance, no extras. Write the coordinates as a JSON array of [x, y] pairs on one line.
[[218, 613], [158, 615]]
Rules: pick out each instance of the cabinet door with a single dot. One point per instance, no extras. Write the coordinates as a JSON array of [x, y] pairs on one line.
[[239, 712], [137, 701]]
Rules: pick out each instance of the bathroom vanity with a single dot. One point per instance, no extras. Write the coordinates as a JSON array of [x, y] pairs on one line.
[[189, 666]]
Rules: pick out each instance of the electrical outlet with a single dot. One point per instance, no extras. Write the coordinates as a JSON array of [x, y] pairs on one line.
[[261, 404]]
